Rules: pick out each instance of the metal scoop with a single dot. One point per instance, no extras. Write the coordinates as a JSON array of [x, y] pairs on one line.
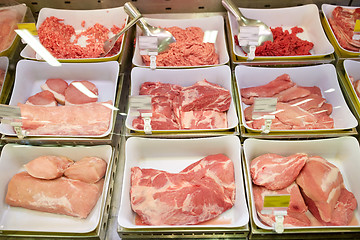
[[264, 33], [164, 38], [109, 44]]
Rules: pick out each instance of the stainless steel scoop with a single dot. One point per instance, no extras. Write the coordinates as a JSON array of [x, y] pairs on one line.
[[264, 33], [164, 38]]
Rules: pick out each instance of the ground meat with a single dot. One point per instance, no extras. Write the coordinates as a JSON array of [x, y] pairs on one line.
[[62, 41], [188, 50], [284, 44]]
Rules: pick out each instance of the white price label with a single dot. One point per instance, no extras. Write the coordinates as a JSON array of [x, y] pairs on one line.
[[148, 44], [265, 105], [142, 102]]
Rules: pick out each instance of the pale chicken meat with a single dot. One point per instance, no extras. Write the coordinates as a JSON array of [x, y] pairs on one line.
[[321, 181], [48, 166], [88, 169], [274, 171], [61, 195], [200, 192], [81, 119]]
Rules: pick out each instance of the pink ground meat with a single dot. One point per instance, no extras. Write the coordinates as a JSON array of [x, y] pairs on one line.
[[61, 40]]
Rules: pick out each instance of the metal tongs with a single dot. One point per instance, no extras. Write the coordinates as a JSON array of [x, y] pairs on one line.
[[252, 32], [164, 38], [11, 115]]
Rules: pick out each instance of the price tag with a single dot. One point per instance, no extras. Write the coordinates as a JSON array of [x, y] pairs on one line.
[[140, 103], [148, 44], [31, 27], [276, 201]]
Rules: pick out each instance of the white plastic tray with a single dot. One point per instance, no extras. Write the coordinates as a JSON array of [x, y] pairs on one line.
[[343, 152], [323, 76], [205, 23], [352, 68], [30, 75], [4, 64], [306, 16], [173, 155], [13, 157], [327, 10], [106, 17], [220, 75]]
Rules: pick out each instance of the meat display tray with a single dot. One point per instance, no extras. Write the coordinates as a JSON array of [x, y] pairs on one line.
[[22, 220]]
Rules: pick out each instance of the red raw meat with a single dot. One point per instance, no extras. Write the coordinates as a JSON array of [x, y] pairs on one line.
[[8, 23], [207, 119], [80, 92], [296, 212], [60, 195], [48, 167], [270, 89], [87, 169], [276, 172], [294, 115], [203, 96], [321, 181], [160, 89], [200, 192], [57, 86], [83, 119], [313, 90], [44, 98], [309, 102]]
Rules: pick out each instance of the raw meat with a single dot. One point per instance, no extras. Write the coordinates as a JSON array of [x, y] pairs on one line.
[[48, 167], [57, 86], [83, 119], [281, 83], [342, 23], [204, 95], [80, 92], [8, 23], [88, 169], [61, 195], [188, 50], [200, 192], [63, 42], [296, 212], [276, 172], [342, 213], [321, 181], [200, 106], [44, 98]]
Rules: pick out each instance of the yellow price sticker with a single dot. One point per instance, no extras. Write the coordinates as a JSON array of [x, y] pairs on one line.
[[357, 26], [276, 201], [31, 27]]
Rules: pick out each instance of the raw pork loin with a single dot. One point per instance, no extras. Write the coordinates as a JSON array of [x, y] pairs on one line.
[[80, 92], [48, 167], [276, 172], [296, 212], [44, 98], [200, 192], [61, 195], [200, 106], [297, 107], [88, 169], [57, 86]]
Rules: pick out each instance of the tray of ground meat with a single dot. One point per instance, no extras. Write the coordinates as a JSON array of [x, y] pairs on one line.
[[306, 99], [78, 35], [88, 91], [184, 100], [53, 208], [297, 33], [10, 16], [200, 184], [189, 49], [319, 175], [340, 25]]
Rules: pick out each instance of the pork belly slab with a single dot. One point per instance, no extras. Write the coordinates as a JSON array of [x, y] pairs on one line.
[[62, 195], [84, 119], [48, 166], [200, 192]]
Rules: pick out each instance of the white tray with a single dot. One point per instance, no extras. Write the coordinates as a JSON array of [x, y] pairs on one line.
[[205, 23], [352, 68], [30, 75], [323, 76], [220, 75], [106, 17], [173, 155], [13, 157], [4, 65], [306, 16], [343, 152]]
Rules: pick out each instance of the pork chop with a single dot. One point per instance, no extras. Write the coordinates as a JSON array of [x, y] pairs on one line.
[[44, 98], [80, 92], [57, 86]]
